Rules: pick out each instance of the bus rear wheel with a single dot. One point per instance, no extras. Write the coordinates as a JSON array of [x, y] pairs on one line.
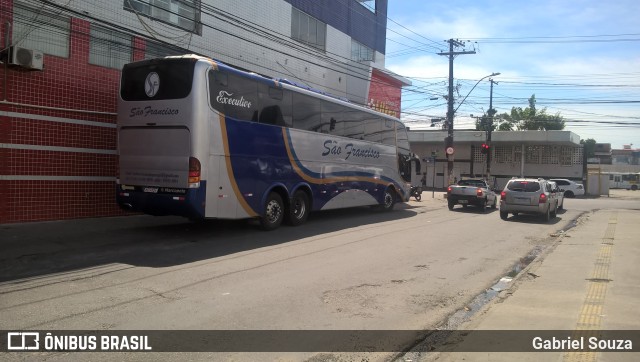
[[273, 212], [298, 208]]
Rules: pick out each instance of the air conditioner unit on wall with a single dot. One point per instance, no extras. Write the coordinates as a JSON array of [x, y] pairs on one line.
[[26, 58]]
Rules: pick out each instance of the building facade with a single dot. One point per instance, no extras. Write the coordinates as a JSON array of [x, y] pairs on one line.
[[546, 154], [61, 65]]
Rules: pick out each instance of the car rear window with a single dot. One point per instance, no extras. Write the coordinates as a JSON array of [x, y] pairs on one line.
[[523, 186], [471, 183]]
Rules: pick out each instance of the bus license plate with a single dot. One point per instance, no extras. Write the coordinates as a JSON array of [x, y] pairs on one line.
[[152, 190]]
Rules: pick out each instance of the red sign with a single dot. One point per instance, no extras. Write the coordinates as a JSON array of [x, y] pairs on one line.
[[384, 93]]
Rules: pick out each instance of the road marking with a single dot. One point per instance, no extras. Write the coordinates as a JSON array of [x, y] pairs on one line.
[[590, 317]]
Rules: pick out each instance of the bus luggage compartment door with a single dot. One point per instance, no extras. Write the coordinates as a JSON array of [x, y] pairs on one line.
[[221, 193]]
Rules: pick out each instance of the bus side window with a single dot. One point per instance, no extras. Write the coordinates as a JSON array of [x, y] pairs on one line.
[[354, 123], [332, 118], [275, 104], [306, 112], [388, 132], [372, 129], [234, 95], [221, 79]]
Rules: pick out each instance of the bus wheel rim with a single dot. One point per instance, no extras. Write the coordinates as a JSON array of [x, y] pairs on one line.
[[298, 209], [273, 211], [388, 199]]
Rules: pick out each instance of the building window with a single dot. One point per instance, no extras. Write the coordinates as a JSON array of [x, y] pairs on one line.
[[184, 14], [478, 157], [109, 48], [550, 155], [308, 29], [361, 52], [41, 30], [369, 5], [507, 154], [533, 155]]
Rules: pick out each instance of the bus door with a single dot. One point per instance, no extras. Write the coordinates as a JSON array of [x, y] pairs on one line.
[[617, 181]]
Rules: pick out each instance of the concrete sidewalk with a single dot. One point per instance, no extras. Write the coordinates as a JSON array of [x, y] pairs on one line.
[[589, 281]]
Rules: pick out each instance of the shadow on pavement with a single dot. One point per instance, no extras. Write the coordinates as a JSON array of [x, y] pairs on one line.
[[37, 249]]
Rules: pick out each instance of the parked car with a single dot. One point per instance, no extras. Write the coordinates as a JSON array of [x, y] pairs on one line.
[[559, 194], [471, 192], [528, 196], [571, 188]]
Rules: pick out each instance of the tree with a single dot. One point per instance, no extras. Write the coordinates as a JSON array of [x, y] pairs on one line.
[[529, 119], [589, 147]]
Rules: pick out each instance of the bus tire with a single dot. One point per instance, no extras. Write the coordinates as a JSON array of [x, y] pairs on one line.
[[298, 209], [273, 212], [388, 200]]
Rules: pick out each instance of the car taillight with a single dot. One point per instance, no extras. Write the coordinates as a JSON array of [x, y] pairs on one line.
[[479, 192], [542, 199], [503, 195], [449, 189], [194, 172]]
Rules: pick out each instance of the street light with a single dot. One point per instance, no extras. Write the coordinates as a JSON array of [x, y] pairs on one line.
[[481, 79], [450, 116]]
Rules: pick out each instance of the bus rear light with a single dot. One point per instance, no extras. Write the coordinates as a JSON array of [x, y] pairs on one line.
[[194, 172]]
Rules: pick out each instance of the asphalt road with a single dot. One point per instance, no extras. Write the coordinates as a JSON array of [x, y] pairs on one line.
[[343, 270]]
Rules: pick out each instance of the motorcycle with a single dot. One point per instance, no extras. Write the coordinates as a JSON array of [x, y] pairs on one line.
[[416, 191]]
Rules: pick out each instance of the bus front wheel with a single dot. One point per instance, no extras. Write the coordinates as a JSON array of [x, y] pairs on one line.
[[298, 208], [273, 212], [388, 200]]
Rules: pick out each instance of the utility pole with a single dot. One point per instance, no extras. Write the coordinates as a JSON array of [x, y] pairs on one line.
[[491, 114], [450, 112]]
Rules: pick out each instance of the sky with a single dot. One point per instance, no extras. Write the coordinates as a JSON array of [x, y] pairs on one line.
[[581, 59]]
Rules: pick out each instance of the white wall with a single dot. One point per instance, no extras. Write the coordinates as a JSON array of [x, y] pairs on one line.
[[251, 53]]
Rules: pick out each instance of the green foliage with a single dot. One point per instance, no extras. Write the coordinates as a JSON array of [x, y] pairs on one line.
[[530, 119], [589, 146]]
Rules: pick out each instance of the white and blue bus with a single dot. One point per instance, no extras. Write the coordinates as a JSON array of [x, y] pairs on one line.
[[200, 139]]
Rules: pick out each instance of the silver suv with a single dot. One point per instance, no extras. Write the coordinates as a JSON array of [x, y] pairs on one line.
[[529, 196]]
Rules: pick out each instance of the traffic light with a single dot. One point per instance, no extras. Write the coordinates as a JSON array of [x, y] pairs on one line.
[[485, 149]]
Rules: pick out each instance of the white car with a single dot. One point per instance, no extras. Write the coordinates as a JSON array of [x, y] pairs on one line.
[[571, 188], [560, 195]]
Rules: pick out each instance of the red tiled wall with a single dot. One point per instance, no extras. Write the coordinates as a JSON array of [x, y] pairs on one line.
[[78, 91], [57, 200]]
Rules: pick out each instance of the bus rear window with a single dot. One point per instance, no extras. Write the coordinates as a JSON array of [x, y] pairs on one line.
[[172, 80]]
